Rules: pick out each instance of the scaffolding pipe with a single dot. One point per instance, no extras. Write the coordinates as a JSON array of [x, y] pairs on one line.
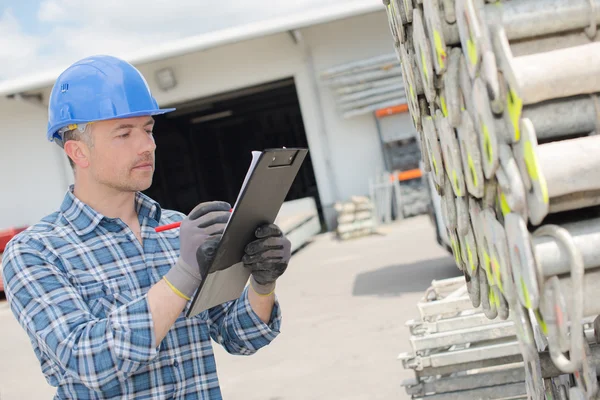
[[564, 117], [397, 89], [530, 18], [381, 62], [538, 77], [368, 85], [556, 169]]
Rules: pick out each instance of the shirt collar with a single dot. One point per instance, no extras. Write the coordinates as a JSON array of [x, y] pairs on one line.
[[85, 219]]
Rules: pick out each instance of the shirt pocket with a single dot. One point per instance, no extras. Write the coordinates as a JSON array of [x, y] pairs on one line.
[[103, 297]]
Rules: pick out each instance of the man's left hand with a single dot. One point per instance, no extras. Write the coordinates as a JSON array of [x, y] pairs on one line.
[[267, 258]]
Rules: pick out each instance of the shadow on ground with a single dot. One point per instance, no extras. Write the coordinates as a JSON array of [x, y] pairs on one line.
[[405, 278]]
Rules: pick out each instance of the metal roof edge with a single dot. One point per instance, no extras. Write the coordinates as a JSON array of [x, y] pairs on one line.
[[210, 40]]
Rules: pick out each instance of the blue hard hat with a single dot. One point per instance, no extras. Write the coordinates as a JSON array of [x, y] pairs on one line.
[[98, 88]]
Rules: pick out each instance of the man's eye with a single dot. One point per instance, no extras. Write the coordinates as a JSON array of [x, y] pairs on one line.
[[124, 135], [149, 132]]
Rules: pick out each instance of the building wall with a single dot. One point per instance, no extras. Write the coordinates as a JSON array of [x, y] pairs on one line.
[[345, 152], [33, 180], [356, 149]]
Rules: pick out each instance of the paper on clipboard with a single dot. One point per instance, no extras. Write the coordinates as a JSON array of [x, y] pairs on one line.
[[255, 158]]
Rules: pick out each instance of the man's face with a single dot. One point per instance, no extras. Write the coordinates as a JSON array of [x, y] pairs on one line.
[[122, 154]]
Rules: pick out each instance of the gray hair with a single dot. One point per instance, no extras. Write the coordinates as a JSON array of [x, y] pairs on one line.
[[81, 133]]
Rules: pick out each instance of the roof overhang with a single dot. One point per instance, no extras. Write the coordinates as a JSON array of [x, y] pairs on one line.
[[211, 40]]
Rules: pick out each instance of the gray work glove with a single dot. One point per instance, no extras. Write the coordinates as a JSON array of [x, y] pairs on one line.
[[199, 237], [267, 258]]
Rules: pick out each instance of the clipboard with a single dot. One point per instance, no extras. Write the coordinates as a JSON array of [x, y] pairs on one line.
[[263, 192]]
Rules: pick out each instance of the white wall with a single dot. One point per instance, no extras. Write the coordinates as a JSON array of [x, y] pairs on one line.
[[355, 144], [33, 180], [355, 153]]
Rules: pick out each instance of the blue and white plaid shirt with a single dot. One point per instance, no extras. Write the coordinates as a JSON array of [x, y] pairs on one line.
[[77, 282]]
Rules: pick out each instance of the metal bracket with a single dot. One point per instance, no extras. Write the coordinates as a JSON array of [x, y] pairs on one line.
[[513, 108], [527, 159], [488, 302], [450, 97], [470, 156], [489, 73], [551, 301], [522, 261], [456, 249], [413, 87], [533, 368], [449, 11], [445, 307], [423, 56], [500, 277], [400, 19], [586, 379], [437, 35], [434, 149], [462, 216], [514, 199], [451, 154], [397, 30], [477, 223], [467, 321], [463, 336], [469, 251], [474, 287], [408, 10], [456, 358], [502, 304], [449, 208], [471, 34], [465, 85], [592, 29], [489, 130]]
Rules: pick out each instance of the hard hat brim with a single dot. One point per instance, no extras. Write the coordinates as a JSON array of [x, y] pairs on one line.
[[53, 131]]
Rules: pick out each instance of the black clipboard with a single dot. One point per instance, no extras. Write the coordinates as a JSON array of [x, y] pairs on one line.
[[259, 202]]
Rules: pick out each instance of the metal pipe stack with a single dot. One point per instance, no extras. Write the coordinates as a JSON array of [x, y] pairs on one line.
[[457, 352], [504, 97], [362, 87]]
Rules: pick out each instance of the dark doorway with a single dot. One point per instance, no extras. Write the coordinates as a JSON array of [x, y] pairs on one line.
[[204, 148]]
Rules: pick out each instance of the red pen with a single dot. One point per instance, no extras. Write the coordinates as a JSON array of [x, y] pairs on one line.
[[172, 226]]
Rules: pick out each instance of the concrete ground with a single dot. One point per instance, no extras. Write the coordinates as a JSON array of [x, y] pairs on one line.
[[344, 307]]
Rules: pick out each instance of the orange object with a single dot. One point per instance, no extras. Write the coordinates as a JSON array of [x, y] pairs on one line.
[[5, 237], [8, 234], [408, 175], [167, 227], [384, 112]]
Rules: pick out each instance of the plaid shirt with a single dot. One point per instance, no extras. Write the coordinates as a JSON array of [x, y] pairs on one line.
[[77, 282]]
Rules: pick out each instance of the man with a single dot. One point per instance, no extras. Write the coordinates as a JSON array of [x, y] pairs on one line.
[[101, 294]]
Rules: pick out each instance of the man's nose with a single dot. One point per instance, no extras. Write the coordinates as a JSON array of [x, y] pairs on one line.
[[147, 143]]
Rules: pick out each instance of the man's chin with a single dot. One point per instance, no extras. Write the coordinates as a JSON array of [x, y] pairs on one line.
[[138, 185]]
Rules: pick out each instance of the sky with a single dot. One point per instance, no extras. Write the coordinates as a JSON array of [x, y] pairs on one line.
[[37, 35]]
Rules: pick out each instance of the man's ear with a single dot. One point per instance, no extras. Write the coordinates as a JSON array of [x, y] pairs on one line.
[[78, 152]]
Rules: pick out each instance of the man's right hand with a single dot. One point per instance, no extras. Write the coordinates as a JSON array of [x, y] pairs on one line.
[[199, 235]]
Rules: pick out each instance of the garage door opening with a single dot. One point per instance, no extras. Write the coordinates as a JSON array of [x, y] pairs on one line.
[[204, 147]]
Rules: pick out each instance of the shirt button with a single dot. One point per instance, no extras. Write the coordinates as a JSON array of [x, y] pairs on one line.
[[176, 364]]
